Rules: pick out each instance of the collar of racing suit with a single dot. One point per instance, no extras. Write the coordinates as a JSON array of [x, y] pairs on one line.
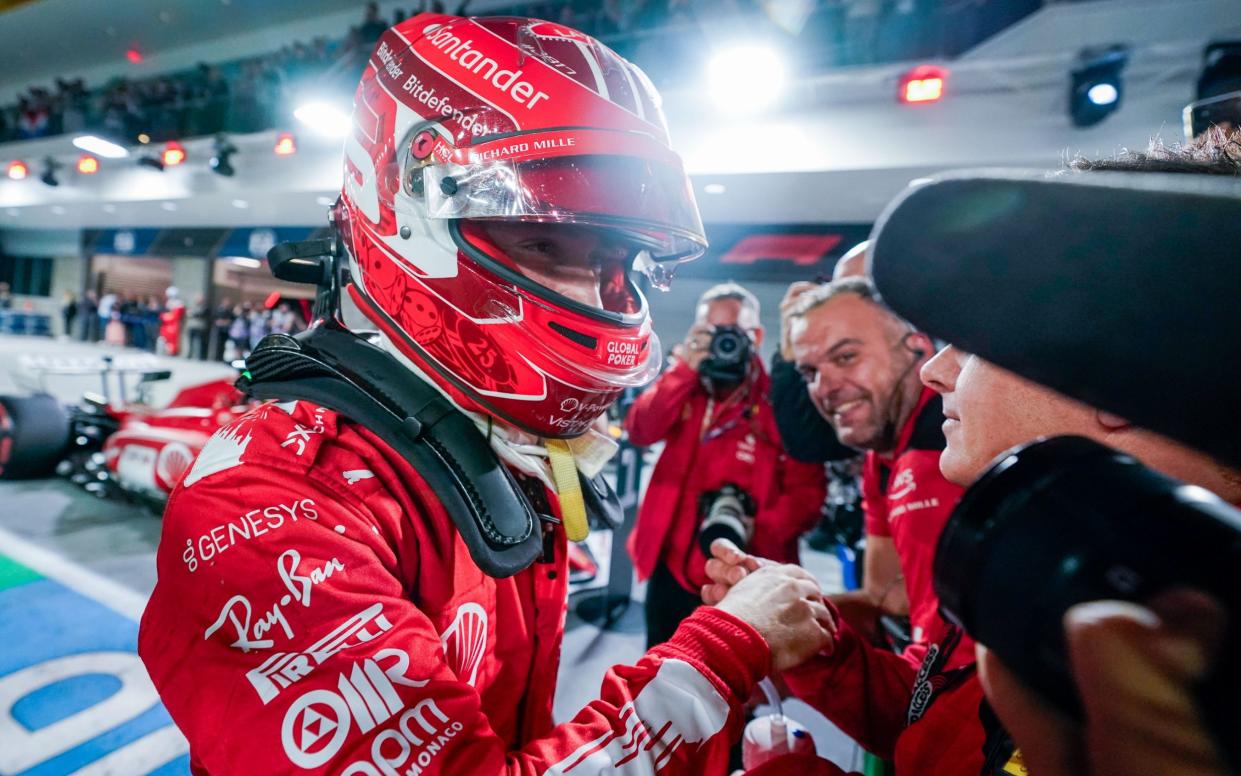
[[524, 452]]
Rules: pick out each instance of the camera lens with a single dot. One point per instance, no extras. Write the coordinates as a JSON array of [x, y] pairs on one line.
[[1067, 520]]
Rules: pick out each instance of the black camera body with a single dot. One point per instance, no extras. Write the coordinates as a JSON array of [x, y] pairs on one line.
[[728, 358], [1066, 520], [728, 513]]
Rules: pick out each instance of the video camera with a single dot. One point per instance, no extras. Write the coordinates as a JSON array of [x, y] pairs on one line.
[[1130, 282]]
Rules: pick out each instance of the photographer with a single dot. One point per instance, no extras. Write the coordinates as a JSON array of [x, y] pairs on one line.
[[723, 467]]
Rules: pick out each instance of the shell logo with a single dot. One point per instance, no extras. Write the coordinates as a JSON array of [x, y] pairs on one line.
[[465, 641]]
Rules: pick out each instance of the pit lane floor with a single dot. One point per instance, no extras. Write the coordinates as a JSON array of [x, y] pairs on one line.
[[75, 573]]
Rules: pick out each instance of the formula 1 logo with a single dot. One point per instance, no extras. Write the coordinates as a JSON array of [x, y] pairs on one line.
[[317, 724]]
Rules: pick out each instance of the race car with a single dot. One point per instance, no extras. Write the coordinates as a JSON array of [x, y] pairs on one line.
[[109, 445]]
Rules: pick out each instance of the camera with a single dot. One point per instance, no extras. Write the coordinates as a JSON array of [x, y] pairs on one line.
[[728, 357], [728, 514], [1066, 520]]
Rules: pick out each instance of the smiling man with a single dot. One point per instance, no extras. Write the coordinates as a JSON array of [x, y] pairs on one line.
[[860, 362]]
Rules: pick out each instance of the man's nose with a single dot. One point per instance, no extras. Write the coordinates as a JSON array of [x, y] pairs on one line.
[[939, 374]]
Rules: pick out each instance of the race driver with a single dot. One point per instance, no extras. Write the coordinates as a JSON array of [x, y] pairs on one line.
[[318, 609]]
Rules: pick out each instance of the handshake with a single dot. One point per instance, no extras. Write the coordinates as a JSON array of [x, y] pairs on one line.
[[783, 602]]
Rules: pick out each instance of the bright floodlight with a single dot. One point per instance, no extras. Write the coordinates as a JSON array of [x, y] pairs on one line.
[[100, 147], [1103, 94], [323, 118], [746, 79]]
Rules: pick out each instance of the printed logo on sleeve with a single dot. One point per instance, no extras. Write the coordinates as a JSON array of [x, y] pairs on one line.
[[283, 669], [317, 725]]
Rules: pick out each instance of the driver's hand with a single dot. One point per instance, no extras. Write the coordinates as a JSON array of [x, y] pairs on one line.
[[1135, 669], [785, 604]]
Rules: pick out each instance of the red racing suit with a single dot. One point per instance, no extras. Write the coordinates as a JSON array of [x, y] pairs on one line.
[[930, 718], [316, 611], [905, 497], [710, 444]]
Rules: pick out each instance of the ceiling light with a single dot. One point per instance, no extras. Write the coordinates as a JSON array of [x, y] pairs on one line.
[[714, 188], [88, 165], [144, 138], [286, 144], [1096, 84], [745, 79], [325, 201], [240, 204], [18, 170], [323, 118], [922, 84], [98, 146], [174, 154]]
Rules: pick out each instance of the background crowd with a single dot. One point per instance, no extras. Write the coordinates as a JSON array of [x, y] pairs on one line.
[[227, 332], [253, 94]]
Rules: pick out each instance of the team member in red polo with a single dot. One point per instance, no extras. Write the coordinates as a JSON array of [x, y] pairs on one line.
[[719, 431], [861, 362]]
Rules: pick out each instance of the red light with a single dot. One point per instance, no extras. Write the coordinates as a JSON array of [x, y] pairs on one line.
[[133, 55], [18, 170], [285, 144], [88, 165], [174, 154], [924, 83]]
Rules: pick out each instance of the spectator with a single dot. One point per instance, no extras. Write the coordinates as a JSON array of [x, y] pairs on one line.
[[238, 333], [260, 325], [6, 297], [68, 311], [198, 318], [221, 324], [372, 27], [107, 304], [286, 320], [88, 312]]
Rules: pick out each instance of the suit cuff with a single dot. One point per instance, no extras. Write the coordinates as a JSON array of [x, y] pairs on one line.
[[722, 646]]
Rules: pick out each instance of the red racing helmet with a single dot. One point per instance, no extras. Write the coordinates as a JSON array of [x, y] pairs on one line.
[[504, 180]]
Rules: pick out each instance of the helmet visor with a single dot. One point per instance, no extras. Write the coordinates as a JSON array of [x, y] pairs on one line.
[[647, 196]]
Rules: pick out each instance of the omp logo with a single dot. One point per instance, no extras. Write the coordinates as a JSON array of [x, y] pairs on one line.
[[222, 451], [284, 668], [902, 484], [465, 641], [317, 724]]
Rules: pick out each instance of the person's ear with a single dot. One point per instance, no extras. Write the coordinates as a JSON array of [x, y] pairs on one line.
[[757, 335], [919, 345], [1111, 422]]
